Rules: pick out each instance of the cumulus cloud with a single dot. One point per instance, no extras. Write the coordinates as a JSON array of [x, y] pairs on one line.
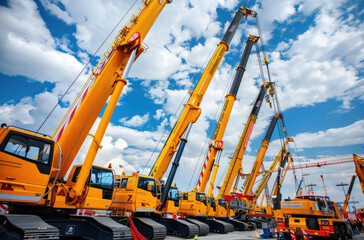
[[135, 121], [27, 47], [316, 63]]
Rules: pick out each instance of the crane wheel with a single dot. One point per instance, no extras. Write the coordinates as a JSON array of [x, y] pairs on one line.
[[343, 232], [337, 233]]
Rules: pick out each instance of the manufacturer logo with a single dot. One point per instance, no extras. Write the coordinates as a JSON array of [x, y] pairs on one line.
[[70, 230]]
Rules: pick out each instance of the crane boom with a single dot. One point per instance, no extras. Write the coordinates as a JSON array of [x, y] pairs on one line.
[[216, 142], [235, 163], [276, 186], [192, 109], [129, 38], [347, 196], [251, 179], [359, 169], [37, 164], [268, 174]]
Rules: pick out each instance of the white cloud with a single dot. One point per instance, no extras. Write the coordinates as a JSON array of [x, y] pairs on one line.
[[20, 112], [332, 137], [135, 121], [159, 114], [55, 9], [321, 63], [28, 48]]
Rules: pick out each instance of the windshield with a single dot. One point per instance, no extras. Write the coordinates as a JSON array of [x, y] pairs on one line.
[[222, 203], [28, 148], [101, 178], [212, 202], [201, 197], [147, 184], [173, 194]]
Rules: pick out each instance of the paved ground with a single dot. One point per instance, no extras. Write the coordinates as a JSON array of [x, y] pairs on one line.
[[359, 236], [229, 236], [242, 236]]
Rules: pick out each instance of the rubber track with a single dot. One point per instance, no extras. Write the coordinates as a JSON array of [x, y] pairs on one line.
[[218, 226], [204, 229], [238, 225], [119, 231], [150, 228], [257, 222], [251, 225], [179, 227], [18, 226]]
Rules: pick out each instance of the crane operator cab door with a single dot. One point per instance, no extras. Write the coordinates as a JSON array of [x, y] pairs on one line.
[[221, 208], [201, 204], [146, 194], [211, 204], [26, 162], [172, 205], [99, 189]]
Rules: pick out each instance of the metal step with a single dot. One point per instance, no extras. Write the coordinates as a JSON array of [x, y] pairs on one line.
[[179, 227], [204, 229], [19, 226], [150, 228], [218, 226]]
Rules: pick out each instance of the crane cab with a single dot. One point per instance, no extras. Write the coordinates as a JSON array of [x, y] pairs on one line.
[[193, 204], [173, 201], [222, 210], [27, 165], [98, 191], [211, 206], [137, 193]]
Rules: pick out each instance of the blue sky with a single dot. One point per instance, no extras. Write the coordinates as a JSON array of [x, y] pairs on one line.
[[315, 49]]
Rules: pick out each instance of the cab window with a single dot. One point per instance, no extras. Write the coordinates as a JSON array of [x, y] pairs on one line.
[[185, 196], [222, 203], [173, 194], [123, 183], [213, 204], [28, 148], [101, 178], [147, 184], [201, 197]]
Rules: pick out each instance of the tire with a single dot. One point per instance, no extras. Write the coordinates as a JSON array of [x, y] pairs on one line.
[[336, 235], [343, 233], [312, 224]]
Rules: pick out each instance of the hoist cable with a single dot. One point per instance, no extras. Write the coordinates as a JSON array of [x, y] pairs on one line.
[[85, 66]]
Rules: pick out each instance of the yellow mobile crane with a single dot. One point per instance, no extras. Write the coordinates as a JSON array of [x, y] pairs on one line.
[[34, 165], [242, 213], [259, 160], [276, 195], [310, 217], [141, 194], [221, 209], [261, 211], [359, 169], [190, 204], [347, 196], [235, 163]]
